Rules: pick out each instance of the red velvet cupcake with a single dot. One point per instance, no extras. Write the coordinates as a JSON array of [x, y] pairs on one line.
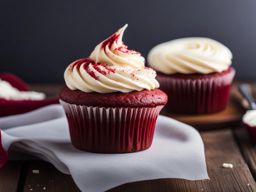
[[195, 73], [111, 99], [249, 122]]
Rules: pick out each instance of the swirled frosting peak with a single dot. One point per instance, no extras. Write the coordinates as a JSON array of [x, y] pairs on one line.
[[113, 51], [111, 67], [190, 55]]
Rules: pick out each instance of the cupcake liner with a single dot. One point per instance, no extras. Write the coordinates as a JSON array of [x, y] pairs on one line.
[[111, 130], [251, 130], [197, 95]]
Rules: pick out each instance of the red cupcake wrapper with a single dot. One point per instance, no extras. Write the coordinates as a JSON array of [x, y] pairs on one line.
[[206, 94], [111, 130], [251, 130]]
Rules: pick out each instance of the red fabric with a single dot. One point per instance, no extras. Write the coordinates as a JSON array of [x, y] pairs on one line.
[[3, 153], [12, 107]]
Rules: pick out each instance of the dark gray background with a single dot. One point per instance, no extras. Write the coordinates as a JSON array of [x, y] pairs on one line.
[[39, 39]]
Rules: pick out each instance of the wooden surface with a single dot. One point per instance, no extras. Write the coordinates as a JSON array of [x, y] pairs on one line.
[[10, 176], [248, 149], [230, 145]]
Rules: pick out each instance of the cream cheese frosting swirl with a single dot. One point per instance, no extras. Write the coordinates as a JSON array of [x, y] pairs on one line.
[[190, 55], [111, 67], [8, 92], [113, 51]]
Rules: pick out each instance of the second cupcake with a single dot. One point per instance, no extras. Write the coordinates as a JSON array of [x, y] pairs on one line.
[[195, 73], [111, 100]]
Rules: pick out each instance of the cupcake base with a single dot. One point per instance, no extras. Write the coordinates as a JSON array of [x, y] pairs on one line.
[[197, 93], [111, 129], [113, 122]]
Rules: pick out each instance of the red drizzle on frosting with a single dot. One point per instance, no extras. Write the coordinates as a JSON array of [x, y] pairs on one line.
[[86, 62], [123, 48], [93, 75], [109, 41], [103, 69]]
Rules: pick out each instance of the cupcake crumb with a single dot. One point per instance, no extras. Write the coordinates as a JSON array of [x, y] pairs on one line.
[[35, 171], [227, 165]]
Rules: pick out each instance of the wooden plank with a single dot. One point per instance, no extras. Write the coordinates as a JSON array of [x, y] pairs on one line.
[[220, 147], [42, 177], [247, 148], [10, 176]]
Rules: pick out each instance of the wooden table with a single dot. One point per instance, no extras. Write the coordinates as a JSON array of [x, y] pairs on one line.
[[228, 145]]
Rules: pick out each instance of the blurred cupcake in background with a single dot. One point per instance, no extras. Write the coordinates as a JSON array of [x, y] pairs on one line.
[[111, 99], [16, 98], [195, 73]]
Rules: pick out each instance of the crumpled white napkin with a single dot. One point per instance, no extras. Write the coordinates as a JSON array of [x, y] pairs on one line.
[[177, 151]]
